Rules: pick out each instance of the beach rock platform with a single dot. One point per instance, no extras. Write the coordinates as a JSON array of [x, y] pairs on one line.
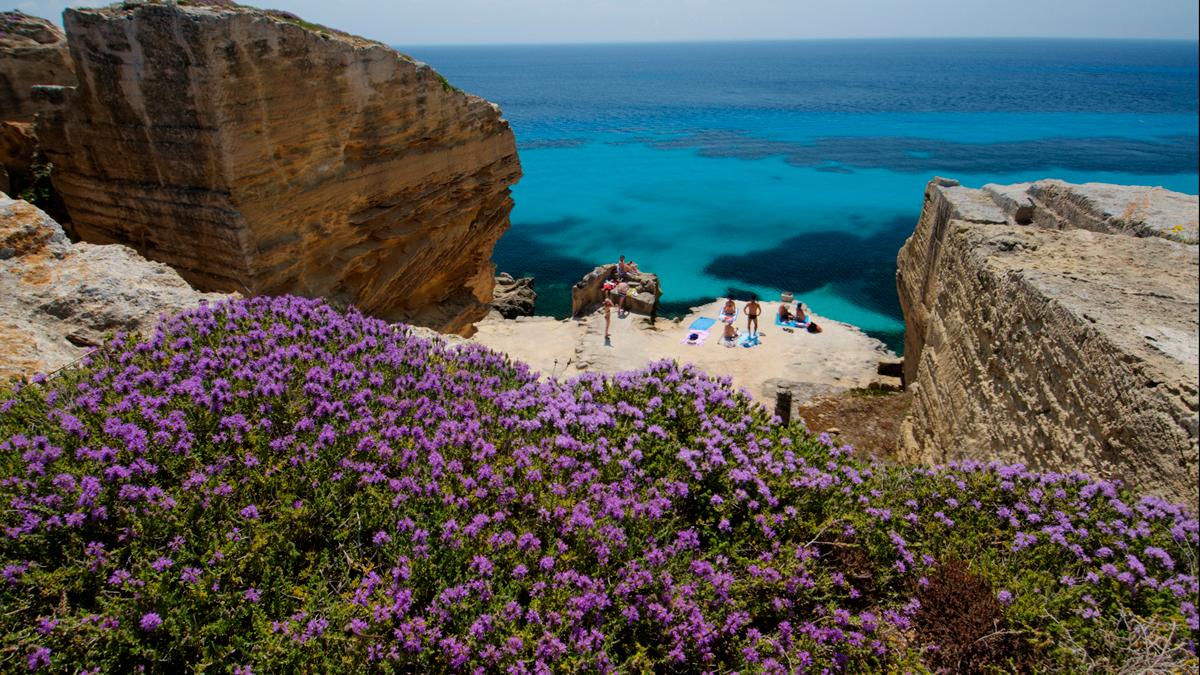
[[841, 357], [588, 293], [1055, 325]]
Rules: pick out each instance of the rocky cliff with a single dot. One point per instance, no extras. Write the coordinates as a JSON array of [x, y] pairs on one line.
[[58, 299], [1055, 325], [32, 51], [254, 151]]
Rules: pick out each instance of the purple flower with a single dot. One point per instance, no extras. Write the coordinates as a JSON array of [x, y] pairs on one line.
[[150, 621], [39, 657]]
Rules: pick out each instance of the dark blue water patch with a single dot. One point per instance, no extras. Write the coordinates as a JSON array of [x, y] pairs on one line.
[[544, 143], [520, 253], [1171, 155], [860, 269], [547, 88]]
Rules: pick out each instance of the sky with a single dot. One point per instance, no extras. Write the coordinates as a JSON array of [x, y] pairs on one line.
[[437, 22]]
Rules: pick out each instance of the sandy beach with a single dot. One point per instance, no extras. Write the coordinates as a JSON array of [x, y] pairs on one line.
[[841, 357]]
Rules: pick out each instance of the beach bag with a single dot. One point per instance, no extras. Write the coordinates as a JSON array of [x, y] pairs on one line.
[[813, 327]]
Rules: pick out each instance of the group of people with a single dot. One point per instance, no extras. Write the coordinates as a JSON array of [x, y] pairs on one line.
[[753, 310], [618, 284]]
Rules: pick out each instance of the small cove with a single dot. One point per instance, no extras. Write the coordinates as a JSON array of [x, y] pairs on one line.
[[737, 168]]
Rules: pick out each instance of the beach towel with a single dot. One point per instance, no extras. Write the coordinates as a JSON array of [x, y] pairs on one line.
[[790, 324], [750, 340], [695, 337], [703, 323]]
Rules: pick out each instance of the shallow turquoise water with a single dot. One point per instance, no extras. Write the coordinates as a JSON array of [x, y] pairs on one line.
[[761, 167]]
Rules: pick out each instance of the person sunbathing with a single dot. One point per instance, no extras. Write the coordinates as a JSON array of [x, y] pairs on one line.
[[729, 310], [784, 315], [801, 316], [731, 335]]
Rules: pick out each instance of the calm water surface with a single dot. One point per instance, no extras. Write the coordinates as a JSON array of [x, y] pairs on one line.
[[760, 167]]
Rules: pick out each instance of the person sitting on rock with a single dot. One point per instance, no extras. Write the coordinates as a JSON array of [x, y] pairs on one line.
[[624, 269]]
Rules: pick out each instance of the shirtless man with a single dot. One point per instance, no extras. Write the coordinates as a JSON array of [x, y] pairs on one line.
[[608, 305], [752, 312], [624, 269]]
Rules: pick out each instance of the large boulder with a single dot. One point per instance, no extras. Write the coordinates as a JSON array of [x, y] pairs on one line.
[[57, 299], [514, 297], [1055, 325], [32, 51], [254, 151], [643, 292]]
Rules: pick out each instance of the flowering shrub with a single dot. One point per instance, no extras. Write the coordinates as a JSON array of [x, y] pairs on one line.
[[271, 485]]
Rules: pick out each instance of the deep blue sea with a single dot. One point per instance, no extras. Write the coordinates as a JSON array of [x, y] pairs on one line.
[[768, 166]]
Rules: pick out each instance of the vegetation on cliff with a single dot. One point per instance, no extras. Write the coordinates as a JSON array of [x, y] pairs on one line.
[[271, 485]]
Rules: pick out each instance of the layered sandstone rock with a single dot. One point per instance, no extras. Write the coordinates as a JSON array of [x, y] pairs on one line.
[[1047, 326], [32, 51], [58, 299], [252, 151]]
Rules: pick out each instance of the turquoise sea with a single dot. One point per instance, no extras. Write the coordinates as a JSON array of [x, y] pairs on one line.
[[737, 168]]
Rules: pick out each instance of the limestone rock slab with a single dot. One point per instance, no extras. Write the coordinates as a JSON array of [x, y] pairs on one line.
[[1062, 347]]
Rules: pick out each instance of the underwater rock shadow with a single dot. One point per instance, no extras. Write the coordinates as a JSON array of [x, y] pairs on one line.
[[862, 269], [1163, 155]]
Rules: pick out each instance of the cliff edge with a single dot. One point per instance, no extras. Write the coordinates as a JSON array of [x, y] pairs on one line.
[[256, 152], [1055, 325]]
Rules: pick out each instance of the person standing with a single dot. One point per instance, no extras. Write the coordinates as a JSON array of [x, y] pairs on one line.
[[752, 312], [608, 305]]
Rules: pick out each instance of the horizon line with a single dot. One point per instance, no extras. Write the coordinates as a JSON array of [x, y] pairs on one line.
[[594, 43]]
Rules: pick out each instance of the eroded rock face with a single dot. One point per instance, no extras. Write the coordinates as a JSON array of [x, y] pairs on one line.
[[32, 51], [253, 152], [57, 299], [1068, 343]]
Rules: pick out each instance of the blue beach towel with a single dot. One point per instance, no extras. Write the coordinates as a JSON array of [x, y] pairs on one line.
[[749, 340], [703, 323]]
